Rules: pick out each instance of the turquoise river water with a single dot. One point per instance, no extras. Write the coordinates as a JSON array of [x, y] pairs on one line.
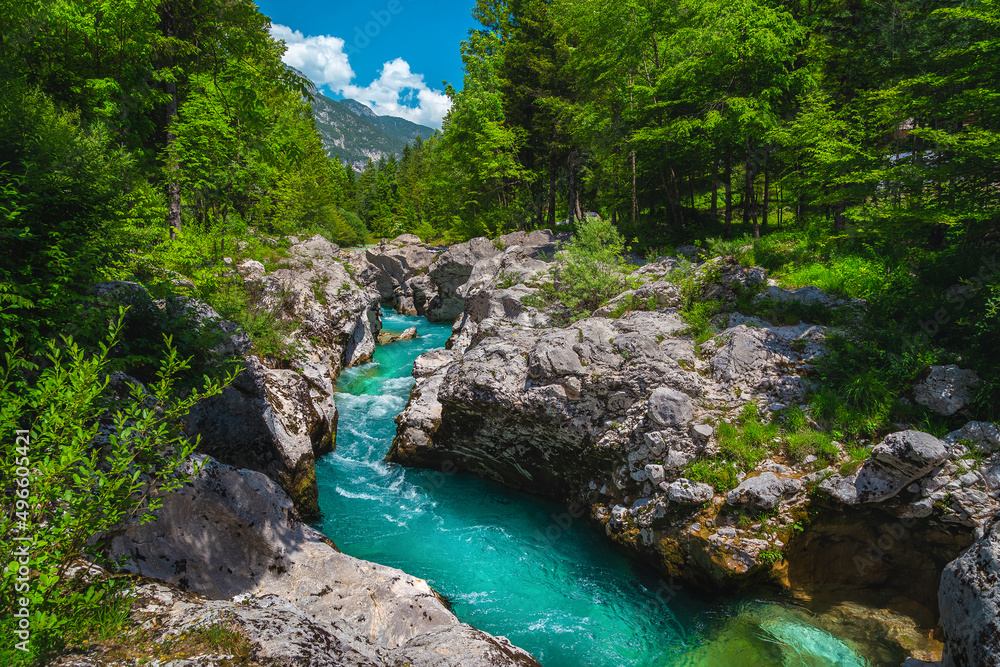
[[516, 566]]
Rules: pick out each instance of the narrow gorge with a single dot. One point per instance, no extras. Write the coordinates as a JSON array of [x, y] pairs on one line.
[[577, 537]]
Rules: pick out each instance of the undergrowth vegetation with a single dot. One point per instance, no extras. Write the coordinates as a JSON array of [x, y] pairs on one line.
[[750, 438], [590, 271], [97, 461]]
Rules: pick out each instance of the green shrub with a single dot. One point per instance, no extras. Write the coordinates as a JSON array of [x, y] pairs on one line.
[[593, 270], [698, 316], [81, 488]]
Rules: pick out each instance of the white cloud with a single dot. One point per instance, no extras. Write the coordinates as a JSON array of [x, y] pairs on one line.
[[396, 89], [321, 58], [396, 92]]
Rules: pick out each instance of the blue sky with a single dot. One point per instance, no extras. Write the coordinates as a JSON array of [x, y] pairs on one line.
[[389, 54]]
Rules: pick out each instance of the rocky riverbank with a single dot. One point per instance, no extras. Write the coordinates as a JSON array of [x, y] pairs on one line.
[[230, 550], [611, 414]]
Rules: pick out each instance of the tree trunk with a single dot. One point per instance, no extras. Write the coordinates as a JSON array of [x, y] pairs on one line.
[[839, 217], [767, 198], [715, 191], [728, 229], [173, 185], [747, 186], [573, 204], [635, 196], [552, 191]]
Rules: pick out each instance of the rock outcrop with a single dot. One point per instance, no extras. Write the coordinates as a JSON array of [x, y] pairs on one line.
[[969, 600], [235, 538], [946, 389], [280, 420], [610, 411], [613, 412], [267, 420]]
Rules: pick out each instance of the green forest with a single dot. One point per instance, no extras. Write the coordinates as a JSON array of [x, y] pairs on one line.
[[853, 145], [848, 144]]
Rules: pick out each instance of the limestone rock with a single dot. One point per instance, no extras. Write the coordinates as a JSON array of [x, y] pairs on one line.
[[229, 340], [690, 493], [761, 359], [319, 295], [669, 407], [897, 461], [724, 279], [234, 533], [402, 259], [429, 362], [653, 295], [984, 435], [267, 421], [511, 405], [316, 247], [764, 491], [947, 389], [969, 600], [654, 473], [451, 271]]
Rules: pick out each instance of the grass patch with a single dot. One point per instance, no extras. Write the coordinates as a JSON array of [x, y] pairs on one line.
[[722, 475], [750, 442], [633, 303], [802, 441], [698, 316]]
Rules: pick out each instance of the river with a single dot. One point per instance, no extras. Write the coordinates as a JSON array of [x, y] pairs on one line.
[[517, 566]]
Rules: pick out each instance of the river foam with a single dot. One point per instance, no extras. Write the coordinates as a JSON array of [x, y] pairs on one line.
[[513, 565]]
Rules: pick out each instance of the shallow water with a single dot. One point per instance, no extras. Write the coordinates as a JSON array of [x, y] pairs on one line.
[[520, 567]]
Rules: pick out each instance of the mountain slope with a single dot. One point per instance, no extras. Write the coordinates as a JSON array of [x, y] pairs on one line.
[[352, 132], [393, 127]]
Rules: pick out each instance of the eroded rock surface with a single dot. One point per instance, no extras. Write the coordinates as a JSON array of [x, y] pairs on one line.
[[969, 599], [234, 537], [946, 389], [612, 411]]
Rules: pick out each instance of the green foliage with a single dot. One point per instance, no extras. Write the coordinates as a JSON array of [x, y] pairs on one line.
[[698, 316], [67, 216], [722, 475], [770, 555], [750, 441], [95, 465], [592, 270], [261, 317]]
